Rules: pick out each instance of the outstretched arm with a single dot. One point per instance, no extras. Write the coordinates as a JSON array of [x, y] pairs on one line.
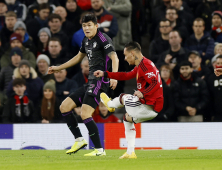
[[75, 60]]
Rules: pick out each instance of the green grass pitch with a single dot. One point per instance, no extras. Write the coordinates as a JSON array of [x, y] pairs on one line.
[[147, 160]]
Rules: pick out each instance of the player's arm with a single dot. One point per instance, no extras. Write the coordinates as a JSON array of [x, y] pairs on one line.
[[75, 60]]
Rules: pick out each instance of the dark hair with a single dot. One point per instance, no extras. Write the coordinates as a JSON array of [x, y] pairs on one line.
[[47, 113], [198, 20], [133, 45], [164, 20], [18, 81], [172, 8], [54, 16], [89, 17], [55, 39], [220, 56], [168, 68], [176, 31], [44, 6], [185, 63]]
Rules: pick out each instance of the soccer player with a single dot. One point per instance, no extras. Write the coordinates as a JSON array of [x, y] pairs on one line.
[[99, 49], [147, 100]]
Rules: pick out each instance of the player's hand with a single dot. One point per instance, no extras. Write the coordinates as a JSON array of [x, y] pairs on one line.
[[99, 73], [53, 69], [113, 83], [168, 58], [138, 94], [218, 71]]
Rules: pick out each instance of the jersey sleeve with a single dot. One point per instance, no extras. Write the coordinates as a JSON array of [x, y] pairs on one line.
[[106, 43], [82, 48], [121, 75], [152, 77]]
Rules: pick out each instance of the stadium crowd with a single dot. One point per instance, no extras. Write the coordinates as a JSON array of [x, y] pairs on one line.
[[184, 42]]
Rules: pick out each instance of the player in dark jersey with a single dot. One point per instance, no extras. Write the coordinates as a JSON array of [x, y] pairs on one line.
[[99, 49], [146, 102]]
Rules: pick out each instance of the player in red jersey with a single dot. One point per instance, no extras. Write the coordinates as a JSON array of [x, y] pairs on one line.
[[146, 101]]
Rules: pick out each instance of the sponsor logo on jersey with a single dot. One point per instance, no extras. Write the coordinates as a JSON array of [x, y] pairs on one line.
[[151, 74], [90, 91], [94, 44], [107, 46]]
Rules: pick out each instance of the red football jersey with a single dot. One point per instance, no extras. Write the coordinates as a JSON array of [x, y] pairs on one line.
[[148, 82]]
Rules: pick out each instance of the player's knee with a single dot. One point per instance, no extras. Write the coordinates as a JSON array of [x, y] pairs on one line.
[[64, 107]]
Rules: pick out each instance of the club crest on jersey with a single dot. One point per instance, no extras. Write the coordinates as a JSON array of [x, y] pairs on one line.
[[94, 44]]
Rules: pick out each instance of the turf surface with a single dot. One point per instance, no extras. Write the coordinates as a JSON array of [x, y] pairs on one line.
[[147, 160]]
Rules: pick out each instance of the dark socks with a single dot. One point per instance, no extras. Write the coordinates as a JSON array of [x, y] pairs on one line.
[[93, 132], [72, 123]]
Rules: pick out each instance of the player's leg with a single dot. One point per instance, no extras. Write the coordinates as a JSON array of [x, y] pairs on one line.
[[114, 103], [66, 108], [89, 106]]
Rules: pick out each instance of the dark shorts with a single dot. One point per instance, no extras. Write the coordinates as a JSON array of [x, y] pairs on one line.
[[90, 94]]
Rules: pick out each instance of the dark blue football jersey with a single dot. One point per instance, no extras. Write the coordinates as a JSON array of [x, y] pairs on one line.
[[97, 50]]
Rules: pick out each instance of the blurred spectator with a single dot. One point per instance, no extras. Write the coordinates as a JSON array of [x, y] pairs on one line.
[[174, 55], [176, 23], [122, 11], [200, 41], [43, 42], [3, 10], [166, 75], [33, 9], [205, 10], [158, 13], [16, 41], [40, 21], [56, 55], [50, 112], [106, 21], [190, 95], [67, 26], [84, 4], [27, 42], [213, 62], [200, 70], [7, 72], [216, 31], [64, 86], [34, 84], [73, 13], [105, 116], [17, 7], [81, 77], [168, 107], [43, 64], [183, 13], [214, 84], [160, 44], [7, 30], [55, 25], [78, 37], [218, 49], [18, 108]]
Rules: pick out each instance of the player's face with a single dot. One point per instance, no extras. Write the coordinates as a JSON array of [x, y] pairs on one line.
[[195, 60], [89, 29], [19, 89], [48, 93], [198, 27], [186, 71], [219, 62], [216, 21], [129, 57]]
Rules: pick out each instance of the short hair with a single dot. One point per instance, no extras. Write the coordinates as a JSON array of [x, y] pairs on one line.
[[185, 63], [168, 68], [172, 8], [44, 6], [89, 17], [133, 45], [177, 32], [199, 19], [18, 81], [220, 56], [55, 39], [164, 20], [10, 14], [55, 16]]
